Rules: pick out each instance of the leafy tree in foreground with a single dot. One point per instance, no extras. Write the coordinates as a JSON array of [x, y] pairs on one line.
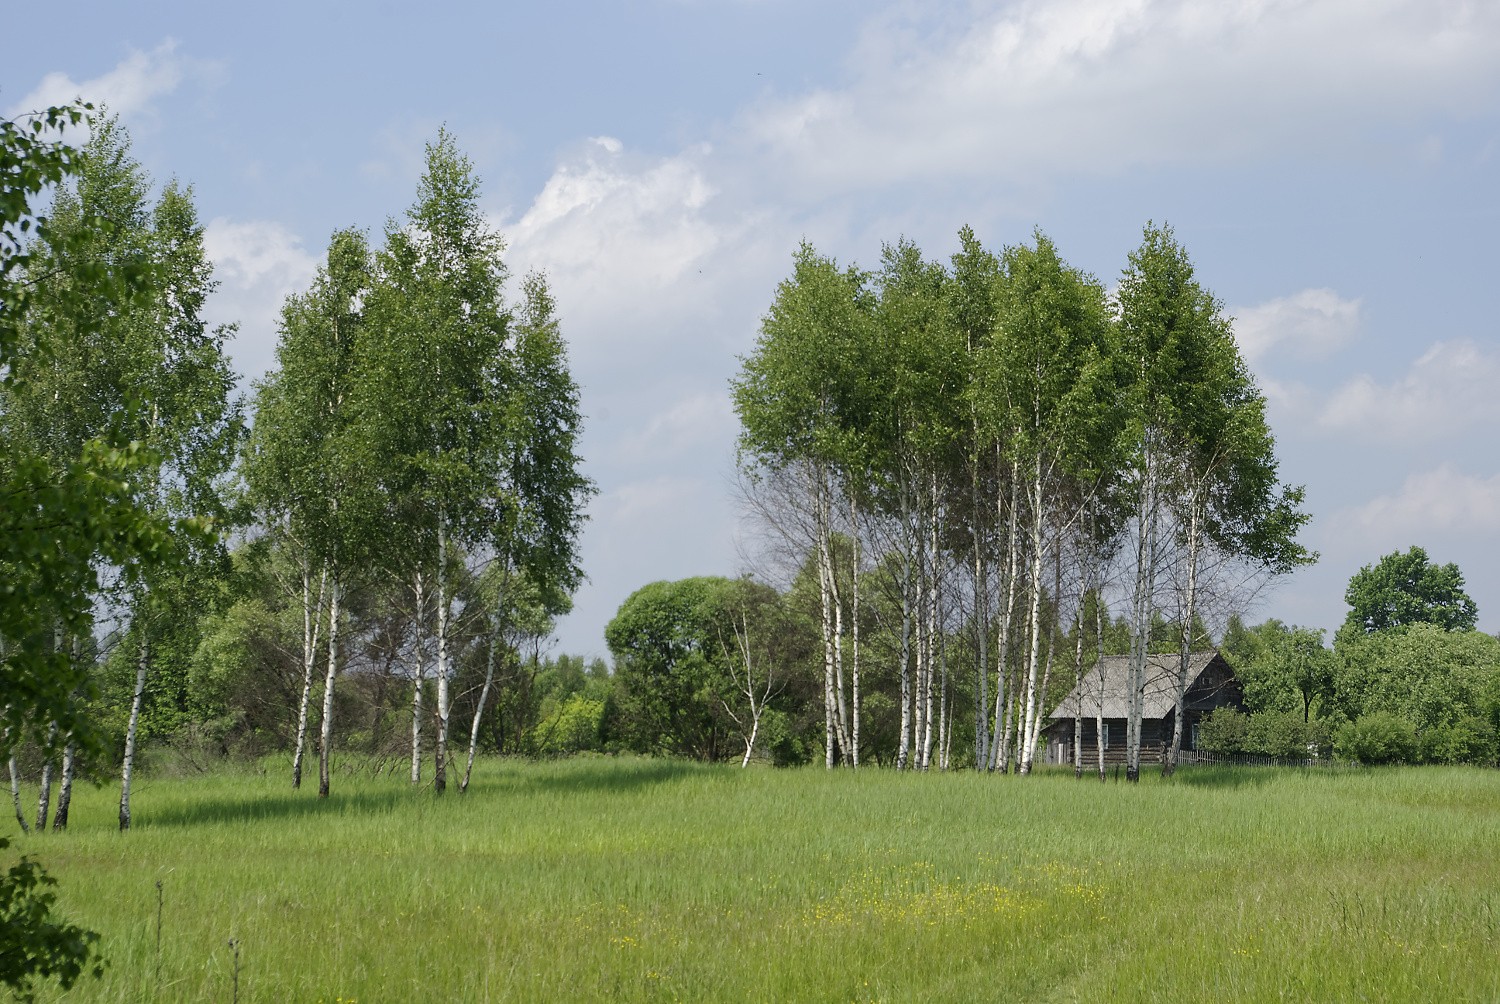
[[1405, 588], [61, 520]]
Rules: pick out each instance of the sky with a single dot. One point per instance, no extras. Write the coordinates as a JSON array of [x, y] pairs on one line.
[[1331, 166]]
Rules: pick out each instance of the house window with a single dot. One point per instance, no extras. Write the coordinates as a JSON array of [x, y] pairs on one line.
[[1195, 737], [1106, 734]]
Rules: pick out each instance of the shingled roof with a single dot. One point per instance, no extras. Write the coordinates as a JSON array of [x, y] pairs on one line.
[[1110, 677]]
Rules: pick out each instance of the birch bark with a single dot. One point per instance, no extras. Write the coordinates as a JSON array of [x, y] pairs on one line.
[[1185, 646], [419, 653], [484, 694], [312, 613], [325, 734], [444, 602], [127, 767]]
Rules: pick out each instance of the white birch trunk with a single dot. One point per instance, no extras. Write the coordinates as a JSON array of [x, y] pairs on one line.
[[44, 790], [311, 617], [440, 747], [325, 734], [65, 787], [484, 695], [419, 651], [1144, 605], [1085, 580], [1000, 736], [1099, 672], [1185, 647], [945, 705], [127, 768], [982, 632], [841, 706], [932, 629], [830, 714], [903, 752], [1034, 733], [1030, 709], [854, 630], [15, 795]]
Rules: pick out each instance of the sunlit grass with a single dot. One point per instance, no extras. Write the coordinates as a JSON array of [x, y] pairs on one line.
[[657, 880]]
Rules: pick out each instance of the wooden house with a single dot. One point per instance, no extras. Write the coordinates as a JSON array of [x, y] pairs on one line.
[[1211, 684]]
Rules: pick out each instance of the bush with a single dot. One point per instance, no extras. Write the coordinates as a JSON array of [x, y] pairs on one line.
[[34, 943], [1224, 732], [572, 728], [779, 741], [1377, 738], [1284, 735], [1468, 740]]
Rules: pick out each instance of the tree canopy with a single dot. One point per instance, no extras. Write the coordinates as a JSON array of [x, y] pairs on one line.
[[1404, 588]]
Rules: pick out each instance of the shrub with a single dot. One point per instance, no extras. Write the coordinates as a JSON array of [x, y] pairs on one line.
[[780, 741], [1468, 740], [1377, 738], [1224, 732], [573, 727], [1284, 735]]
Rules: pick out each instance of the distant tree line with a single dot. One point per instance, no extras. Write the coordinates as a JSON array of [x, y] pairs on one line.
[[1407, 680]]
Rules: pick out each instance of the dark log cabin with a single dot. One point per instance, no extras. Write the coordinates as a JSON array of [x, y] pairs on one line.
[[1211, 684]]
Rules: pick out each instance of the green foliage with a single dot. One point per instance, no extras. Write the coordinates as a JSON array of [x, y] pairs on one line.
[[1468, 739], [1429, 676], [1377, 738], [668, 642], [575, 726], [77, 491], [35, 945], [1224, 732], [1402, 589], [1287, 735]]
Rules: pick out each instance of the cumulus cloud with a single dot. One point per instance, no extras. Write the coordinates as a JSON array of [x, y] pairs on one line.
[[638, 226], [1449, 390], [1311, 324], [130, 89], [1435, 501], [1102, 86], [257, 263], [645, 256]]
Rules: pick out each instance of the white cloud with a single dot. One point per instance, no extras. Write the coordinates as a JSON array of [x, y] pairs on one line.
[[1099, 86], [129, 90], [702, 423], [1436, 501], [257, 263], [1449, 390], [644, 255], [600, 215], [1312, 324]]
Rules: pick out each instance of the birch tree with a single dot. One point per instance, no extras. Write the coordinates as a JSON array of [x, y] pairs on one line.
[[1049, 386], [797, 399], [435, 388], [307, 466], [135, 364], [1206, 455], [537, 513]]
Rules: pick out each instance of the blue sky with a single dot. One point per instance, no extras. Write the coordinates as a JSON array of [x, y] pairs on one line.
[[1331, 166]]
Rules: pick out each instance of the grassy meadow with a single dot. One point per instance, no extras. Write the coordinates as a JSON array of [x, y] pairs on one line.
[[650, 880]]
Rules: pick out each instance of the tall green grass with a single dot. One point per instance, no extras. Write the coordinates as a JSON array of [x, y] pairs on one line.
[[648, 880]]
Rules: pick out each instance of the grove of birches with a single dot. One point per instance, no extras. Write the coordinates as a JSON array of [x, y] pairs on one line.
[[963, 482]]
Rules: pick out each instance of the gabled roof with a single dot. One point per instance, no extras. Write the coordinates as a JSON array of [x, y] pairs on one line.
[[1110, 678]]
